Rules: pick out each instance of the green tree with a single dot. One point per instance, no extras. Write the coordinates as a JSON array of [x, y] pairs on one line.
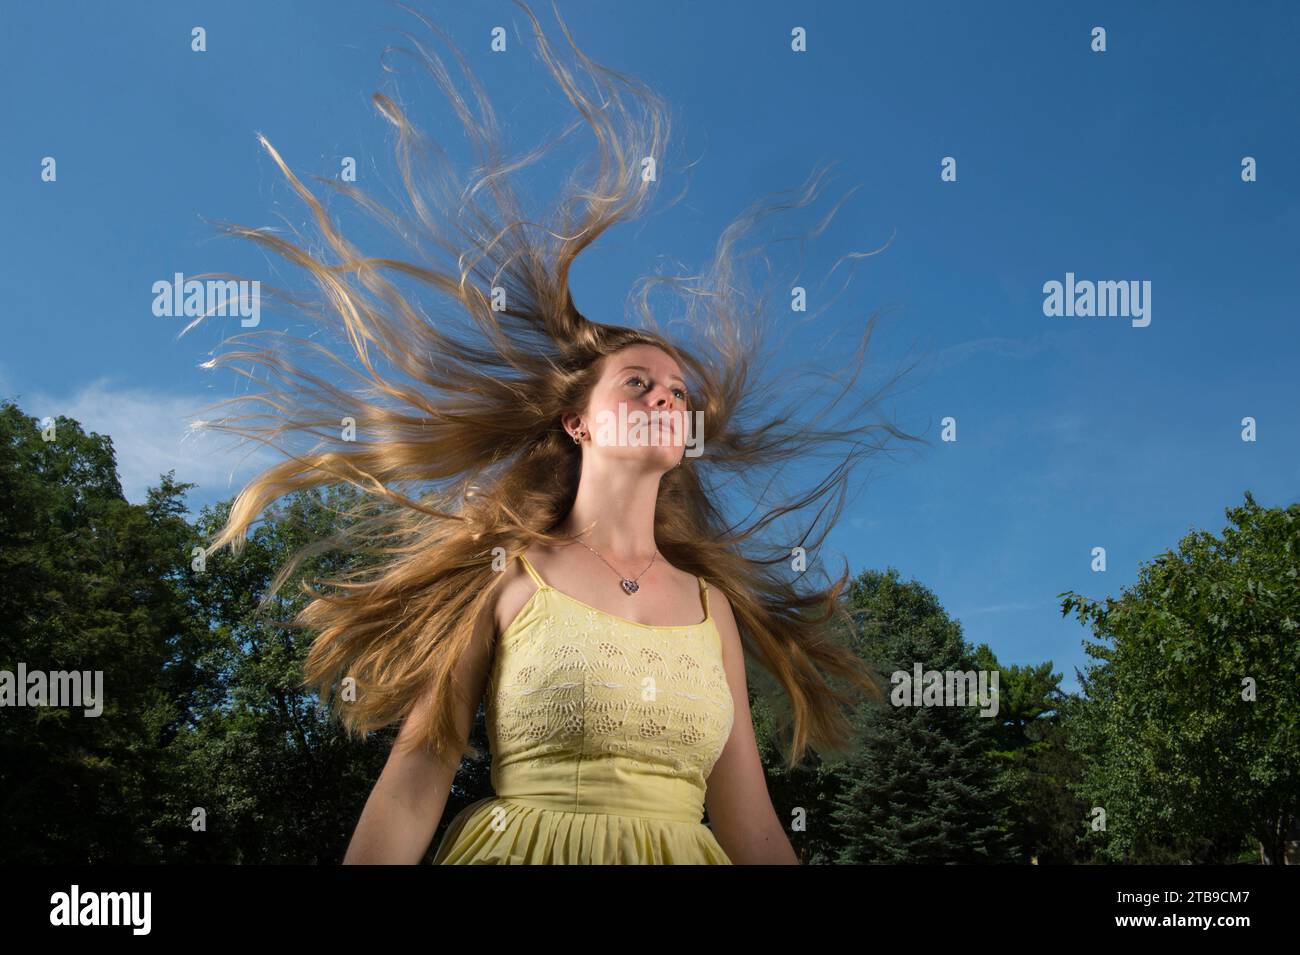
[[91, 584], [274, 773], [1189, 736], [922, 788], [1037, 767]]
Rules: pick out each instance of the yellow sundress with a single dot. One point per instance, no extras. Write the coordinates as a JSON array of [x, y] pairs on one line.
[[602, 733]]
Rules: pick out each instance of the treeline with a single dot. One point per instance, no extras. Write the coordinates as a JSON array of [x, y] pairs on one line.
[[1183, 746]]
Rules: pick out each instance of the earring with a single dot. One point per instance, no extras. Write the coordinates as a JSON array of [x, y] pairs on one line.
[[577, 438]]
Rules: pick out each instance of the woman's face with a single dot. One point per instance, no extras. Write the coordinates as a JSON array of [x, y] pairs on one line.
[[638, 410]]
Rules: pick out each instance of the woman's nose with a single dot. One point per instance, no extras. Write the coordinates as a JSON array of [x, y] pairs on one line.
[[665, 397]]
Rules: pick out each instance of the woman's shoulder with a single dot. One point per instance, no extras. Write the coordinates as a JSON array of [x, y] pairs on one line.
[[512, 591]]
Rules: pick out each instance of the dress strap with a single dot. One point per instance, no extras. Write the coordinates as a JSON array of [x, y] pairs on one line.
[[537, 578]]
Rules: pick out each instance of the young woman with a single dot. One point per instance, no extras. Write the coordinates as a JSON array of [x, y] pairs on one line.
[[531, 552]]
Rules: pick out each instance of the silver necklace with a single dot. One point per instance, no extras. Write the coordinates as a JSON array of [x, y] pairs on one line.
[[630, 586]]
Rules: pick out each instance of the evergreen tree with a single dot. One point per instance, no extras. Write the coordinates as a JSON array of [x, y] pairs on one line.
[[1036, 764], [922, 788]]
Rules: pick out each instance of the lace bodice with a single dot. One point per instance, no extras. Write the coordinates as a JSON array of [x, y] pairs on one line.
[[591, 711]]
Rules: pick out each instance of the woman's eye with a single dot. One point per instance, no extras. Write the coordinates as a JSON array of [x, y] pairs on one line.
[[681, 393]]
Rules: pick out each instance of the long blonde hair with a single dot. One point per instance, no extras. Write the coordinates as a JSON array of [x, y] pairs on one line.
[[458, 444]]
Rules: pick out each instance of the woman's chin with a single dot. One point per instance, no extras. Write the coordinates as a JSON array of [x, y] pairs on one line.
[[663, 459]]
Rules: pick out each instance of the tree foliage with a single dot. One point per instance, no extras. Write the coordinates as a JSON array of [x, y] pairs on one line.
[[209, 748], [1189, 735]]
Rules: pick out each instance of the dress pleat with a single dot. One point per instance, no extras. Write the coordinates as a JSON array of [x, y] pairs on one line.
[[497, 832]]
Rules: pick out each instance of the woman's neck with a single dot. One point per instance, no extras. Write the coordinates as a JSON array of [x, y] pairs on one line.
[[617, 512]]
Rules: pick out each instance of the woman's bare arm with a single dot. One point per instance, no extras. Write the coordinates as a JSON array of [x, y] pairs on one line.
[[741, 814], [404, 808]]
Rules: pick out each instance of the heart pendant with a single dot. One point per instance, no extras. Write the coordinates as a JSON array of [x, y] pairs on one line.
[[631, 586]]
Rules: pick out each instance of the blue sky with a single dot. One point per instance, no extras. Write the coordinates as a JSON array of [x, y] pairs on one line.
[[1073, 432]]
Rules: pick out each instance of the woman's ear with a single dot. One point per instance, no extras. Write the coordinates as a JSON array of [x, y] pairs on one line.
[[571, 423]]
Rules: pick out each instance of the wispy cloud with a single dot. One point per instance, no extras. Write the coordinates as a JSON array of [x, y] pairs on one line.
[[1016, 349], [151, 436], [1013, 607]]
